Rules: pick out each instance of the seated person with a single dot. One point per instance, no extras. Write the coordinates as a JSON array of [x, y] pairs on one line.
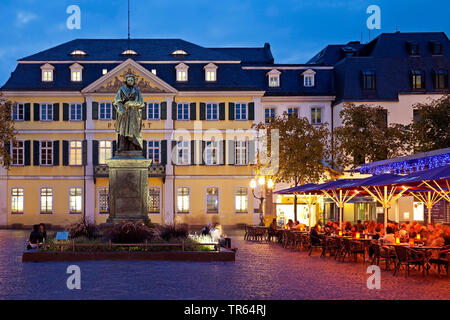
[[403, 233], [359, 226], [273, 232], [206, 229], [290, 224], [33, 240], [297, 225], [389, 237], [315, 238], [43, 233]]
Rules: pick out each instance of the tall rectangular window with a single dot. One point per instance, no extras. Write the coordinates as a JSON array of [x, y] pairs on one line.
[[212, 200], [46, 200], [274, 81], [46, 153], [181, 75], [316, 115], [240, 111], [182, 200], [211, 75], [47, 75], [153, 111], [269, 113], [417, 79], [212, 111], [104, 151], [211, 152], [17, 153], [75, 153], [75, 112], [75, 200], [293, 112], [154, 200], [46, 112], [103, 200], [183, 152], [241, 152], [105, 111], [368, 80], [241, 200], [17, 200], [441, 79], [183, 111], [154, 150], [76, 76], [308, 81], [18, 113]]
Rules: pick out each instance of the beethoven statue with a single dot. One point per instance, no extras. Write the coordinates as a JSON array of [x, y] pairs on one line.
[[129, 104]]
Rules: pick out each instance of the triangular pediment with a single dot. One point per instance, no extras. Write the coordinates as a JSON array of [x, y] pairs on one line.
[[146, 81]]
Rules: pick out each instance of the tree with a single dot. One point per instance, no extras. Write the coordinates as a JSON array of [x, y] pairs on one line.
[[301, 151], [431, 131], [6, 130], [366, 136]]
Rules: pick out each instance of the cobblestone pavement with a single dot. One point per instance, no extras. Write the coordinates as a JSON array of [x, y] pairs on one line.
[[261, 271]]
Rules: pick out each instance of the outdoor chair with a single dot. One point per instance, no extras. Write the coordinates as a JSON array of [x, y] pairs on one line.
[[339, 249], [291, 240], [353, 248], [407, 257], [316, 242], [380, 252], [331, 246], [248, 232], [442, 260]]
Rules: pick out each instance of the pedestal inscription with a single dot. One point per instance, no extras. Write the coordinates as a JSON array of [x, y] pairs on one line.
[[128, 187]]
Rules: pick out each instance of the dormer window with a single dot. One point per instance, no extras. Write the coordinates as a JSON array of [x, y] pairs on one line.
[[413, 48], [129, 52], [47, 72], [179, 52], [309, 78], [104, 71], [210, 72], [349, 51], [368, 80], [273, 77], [182, 72], [436, 48], [78, 53], [76, 72]]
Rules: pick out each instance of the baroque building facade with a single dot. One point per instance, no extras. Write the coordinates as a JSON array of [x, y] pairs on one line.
[[201, 104]]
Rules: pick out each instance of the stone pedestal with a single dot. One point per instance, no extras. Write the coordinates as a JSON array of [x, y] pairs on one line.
[[128, 187]]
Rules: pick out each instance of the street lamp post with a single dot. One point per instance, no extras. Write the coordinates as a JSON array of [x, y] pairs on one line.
[[265, 184]]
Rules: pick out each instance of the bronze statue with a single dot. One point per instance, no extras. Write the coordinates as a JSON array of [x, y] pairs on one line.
[[129, 104]]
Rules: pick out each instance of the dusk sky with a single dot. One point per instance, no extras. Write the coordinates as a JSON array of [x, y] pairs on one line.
[[296, 29]]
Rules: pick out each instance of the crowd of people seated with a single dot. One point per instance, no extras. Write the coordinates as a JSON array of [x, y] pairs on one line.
[[216, 233], [38, 236]]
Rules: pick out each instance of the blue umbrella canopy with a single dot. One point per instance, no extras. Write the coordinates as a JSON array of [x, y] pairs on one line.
[[297, 189], [436, 174]]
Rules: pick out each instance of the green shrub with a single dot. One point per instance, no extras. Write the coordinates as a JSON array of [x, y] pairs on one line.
[[173, 232], [129, 232], [83, 229]]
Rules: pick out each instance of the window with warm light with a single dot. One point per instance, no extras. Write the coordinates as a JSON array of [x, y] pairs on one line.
[[212, 200], [78, 53], [241, 200], [129, 52], [181, 75], [316, 115], [47, 76], [104, 151], [182, 200], [76, 76], [75, 200], [179, 52], [154, 195], [211, 75], [75, 153], [17, 200], [46, 195], [104, 71]]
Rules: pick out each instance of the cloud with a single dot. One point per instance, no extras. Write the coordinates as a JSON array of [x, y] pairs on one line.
[[24, 17]]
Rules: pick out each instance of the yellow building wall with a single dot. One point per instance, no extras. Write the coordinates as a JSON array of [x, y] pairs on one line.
[[226, 215], [31, 215]]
